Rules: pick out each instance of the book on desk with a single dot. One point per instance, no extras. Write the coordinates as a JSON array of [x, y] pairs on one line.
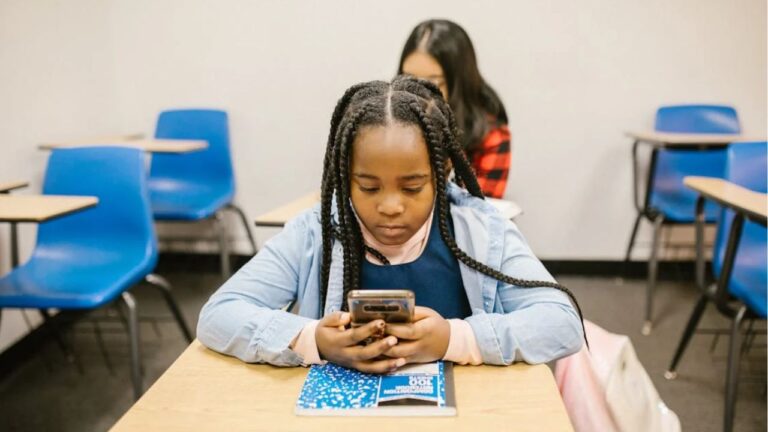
[[413, 390]]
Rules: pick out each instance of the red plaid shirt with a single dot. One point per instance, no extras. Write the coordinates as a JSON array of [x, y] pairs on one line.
[[492, 160]]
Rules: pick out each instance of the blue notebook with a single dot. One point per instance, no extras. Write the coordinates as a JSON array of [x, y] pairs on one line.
[[413, 390]]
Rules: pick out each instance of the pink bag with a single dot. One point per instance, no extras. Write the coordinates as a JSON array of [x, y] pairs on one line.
[[607, 388]]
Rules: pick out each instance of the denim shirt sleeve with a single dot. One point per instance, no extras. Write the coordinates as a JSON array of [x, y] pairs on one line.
[[533, 325], [244, 317]]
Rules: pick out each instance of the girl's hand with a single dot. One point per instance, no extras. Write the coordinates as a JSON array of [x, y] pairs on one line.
[[424, 340], [339, 345]]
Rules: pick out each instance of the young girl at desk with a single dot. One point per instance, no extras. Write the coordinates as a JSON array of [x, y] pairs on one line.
[[388, 218], [441, 51]]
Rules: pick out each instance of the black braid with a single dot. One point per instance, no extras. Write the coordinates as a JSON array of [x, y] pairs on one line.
[[351, 237], [378, 255], [328, 185]]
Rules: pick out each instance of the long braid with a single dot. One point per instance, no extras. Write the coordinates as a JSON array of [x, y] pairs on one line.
[[351, 237], [326, 191], [442, 208], [346, 218], [329, 181]]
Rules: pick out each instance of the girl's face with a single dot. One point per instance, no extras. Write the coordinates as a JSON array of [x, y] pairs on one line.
[[392, 187], [422, 65]]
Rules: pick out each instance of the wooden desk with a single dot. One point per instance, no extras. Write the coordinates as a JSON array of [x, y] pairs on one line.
[[37, 208], [754, 205], [667, 139], [279, 216], [206, 391], [40, 208], [148, 145], [6, 188]]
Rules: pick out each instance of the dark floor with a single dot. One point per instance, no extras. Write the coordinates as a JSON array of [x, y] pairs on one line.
[[46, 393]]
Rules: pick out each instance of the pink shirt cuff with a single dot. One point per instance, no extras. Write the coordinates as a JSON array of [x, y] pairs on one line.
[[462, 345], [305, 345]]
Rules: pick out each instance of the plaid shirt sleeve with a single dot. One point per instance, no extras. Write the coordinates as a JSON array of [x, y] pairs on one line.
[[492, 161]]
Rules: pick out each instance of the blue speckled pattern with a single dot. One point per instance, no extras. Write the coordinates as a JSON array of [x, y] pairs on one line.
[[334, 387]]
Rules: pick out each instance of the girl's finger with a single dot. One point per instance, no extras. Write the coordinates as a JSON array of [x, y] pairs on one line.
[[358, 334]]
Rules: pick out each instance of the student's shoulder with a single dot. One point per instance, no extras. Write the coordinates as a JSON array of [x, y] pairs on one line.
[[307, 220], [498, 131], [464, 204]]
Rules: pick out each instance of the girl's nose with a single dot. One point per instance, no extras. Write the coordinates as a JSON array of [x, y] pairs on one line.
[[391, 205]]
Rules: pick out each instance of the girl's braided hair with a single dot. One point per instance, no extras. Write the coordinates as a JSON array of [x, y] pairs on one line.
[[409, 101]]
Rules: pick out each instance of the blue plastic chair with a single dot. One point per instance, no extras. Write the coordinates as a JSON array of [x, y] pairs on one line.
[[667, 200], [739, 265], [198, 185], [89, 259]]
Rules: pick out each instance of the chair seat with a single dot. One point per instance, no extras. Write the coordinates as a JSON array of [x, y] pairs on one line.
[[173, 199], [68, 277], [749, 280]]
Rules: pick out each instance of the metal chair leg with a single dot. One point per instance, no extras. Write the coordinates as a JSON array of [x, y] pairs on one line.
[[165, 289], [134, 338], [732, 376], [749, 337], [632, 238], [246, 225], [653, 268], [226, 269], [690, 328]]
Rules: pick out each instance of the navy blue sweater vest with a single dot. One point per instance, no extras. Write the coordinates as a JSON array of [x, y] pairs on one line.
[[434, 277]]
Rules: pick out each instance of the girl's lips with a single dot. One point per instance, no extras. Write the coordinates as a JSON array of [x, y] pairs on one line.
[[392, 230]]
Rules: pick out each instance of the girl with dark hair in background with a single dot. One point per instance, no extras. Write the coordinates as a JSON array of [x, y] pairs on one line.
[[389, 218], [441, 51]]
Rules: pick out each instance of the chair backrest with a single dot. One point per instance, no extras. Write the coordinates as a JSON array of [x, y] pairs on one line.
[[714, 119], [212, 165], [672, 165], [121, 222], [747, 167]]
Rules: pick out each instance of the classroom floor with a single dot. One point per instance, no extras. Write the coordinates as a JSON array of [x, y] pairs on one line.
[[48, 393]]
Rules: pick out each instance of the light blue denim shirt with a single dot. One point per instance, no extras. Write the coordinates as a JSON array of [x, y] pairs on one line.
[[244, 318]]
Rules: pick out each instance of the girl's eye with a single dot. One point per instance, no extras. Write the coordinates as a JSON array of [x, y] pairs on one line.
[[414, 190], [368, 189]]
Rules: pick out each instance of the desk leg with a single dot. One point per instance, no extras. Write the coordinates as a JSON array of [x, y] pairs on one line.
[[653, 268], [700, 277], [721, 298], [14, 245], [734, 237]]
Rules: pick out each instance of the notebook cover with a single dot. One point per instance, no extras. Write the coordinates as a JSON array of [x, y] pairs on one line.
[[413, 390]]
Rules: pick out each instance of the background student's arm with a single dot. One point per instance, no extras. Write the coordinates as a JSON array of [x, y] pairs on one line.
[[539, 324], [244, 317], [492, 162]]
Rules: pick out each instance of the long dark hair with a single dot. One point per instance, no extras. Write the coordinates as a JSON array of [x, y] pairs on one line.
[[409, 101], [470, 97]]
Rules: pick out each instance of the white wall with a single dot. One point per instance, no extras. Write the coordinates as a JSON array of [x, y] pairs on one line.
[[573, 76]]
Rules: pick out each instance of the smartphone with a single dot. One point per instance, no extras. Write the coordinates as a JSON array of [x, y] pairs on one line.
[[392, 306]]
